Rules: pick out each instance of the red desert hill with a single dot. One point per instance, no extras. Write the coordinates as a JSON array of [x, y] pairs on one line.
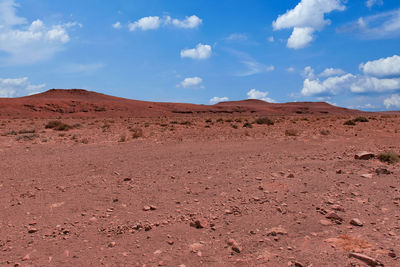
[[78, 102]]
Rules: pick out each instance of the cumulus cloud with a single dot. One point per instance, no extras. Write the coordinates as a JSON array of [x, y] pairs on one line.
[[384, 25], [18, 87], [300, 37], [331, 72], [330, 86], [306, 18], [191, 82], [371, 3], [383, 67], [217, 99], [28, 43], [255, 94], [393, 101], [155, 22], [380, 76], [200, 52], [117, 25], [145, 24], [188, 23]]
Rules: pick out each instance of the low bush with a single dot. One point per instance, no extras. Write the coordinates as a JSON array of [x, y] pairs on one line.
[[361, 119], [291, 132], [349, 122], [389, 157], [247, 125], [136, 132], [264, 120], [58, 126]]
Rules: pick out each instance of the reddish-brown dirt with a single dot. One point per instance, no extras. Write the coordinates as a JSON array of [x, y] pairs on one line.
[[78, 103], [195, 189]]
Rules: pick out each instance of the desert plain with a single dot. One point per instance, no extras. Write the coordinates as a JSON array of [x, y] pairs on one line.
[[92, 180]]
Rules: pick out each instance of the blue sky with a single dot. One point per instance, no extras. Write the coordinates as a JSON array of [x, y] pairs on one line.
[[343, 52]]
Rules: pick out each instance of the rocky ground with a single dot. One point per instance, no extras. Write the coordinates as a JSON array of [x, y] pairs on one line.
[[199, 191]]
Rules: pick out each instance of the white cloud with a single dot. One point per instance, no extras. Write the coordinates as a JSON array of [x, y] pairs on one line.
[[330, 86], [371, 3], [18, 87], [155, 22], [382, 67], [308, 72], [254, 94], [331, 72], [290, 69], [381, 26], [366, 84], [271, 39], [29, 43], [393, 101], [217, 99], [191, 82], [306, 18], [145, 24], [300, 37], [270, 68], [200, 52], [8, 15], [117, 25], [188, 23]]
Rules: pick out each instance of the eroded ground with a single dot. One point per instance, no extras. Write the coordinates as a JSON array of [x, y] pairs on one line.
[[198, 192]]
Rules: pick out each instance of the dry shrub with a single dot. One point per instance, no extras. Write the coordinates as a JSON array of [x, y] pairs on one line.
[[247, 125], [58, 126], [349, 122], [291, 132], [136, 132], [325, 132], [264, 120], [389, 157], [361, 119]]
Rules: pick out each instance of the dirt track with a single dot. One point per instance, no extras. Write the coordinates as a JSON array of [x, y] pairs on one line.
[[116, 202]]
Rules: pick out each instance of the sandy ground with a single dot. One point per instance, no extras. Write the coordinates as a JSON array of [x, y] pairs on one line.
[[196, 191]]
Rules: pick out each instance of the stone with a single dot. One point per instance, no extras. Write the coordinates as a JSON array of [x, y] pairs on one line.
[[325, 222], [367, 176], [199, 224], [146, 208], [277, 231], [334, 217], [366, 259], [380, 171], [112, 244], [364, 155], [356, 222], [234, 245]]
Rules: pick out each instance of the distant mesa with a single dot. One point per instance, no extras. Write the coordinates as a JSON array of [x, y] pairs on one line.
[[83, 103]]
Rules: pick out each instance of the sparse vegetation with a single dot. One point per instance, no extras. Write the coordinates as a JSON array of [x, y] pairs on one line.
[[27, 137], [136, 132], [234, 126], [349, 122], [324, 132], [264, 120], [58, 126], [291, 132], [389, 157], [361, 119], [247, 125]]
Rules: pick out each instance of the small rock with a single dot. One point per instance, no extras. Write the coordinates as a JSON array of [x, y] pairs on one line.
[[146, 208], [32, 230], [277, 231], [325, 222], [380, 171], [228, 212], [367, 176], [334, 217], [199, 224], [356, 222], [364, 155], [366, 259], [112, 244], [234, 245], [337, 207]]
